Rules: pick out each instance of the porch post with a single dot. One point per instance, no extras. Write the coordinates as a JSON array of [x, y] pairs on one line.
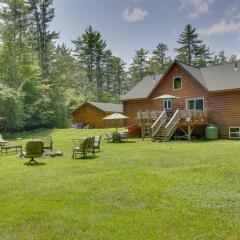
[[189, 132]]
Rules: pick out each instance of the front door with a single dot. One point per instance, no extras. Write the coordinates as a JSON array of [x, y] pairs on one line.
[[167, 106]]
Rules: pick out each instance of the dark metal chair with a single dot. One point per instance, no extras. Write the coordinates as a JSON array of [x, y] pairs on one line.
[[34, 149]]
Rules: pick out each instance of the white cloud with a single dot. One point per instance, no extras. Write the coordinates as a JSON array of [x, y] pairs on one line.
[[134, 15], [195, 8], [222, 27], [229, 24], [231, 11]]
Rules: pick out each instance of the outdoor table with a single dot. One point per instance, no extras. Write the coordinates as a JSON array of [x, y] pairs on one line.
[[9, 147], [3, 143]]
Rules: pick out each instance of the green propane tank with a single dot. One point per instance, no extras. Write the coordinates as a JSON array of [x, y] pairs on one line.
[[211, 132]]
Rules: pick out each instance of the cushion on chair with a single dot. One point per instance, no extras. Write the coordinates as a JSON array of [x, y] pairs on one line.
[[34, 148]]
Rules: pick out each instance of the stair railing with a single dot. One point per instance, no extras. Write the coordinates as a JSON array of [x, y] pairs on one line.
[[158, 123], [172, 124]]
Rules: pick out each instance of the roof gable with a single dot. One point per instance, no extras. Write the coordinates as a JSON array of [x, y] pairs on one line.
[[214, 78], [194, 72]]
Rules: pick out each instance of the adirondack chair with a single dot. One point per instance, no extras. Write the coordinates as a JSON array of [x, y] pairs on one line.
[[97, 142], [83, 146], [108, 137]]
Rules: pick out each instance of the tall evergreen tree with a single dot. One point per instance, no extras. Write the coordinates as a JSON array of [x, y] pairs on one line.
[[159, 61], [220, 58], [203, 56], [89, 49], [189, 45], [139, 65], [42, 15], [107, 68], [100, 50]]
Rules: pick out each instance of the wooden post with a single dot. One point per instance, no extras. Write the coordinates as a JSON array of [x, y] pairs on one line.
[[189, 132]]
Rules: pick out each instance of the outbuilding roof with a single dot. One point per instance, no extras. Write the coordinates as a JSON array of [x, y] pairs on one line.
[[220, 77], [105, 107], [108, 107]]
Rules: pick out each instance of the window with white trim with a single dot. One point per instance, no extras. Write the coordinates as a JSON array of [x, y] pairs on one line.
[[234, 132], [195, 104], [167, 104], [177, 83]]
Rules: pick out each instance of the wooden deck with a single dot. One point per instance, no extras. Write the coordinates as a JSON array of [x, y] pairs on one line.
[[155, 123], [187, 117]]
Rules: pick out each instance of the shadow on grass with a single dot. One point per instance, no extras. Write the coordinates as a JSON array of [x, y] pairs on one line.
[[86, 158], [34, 164], [120, 142]]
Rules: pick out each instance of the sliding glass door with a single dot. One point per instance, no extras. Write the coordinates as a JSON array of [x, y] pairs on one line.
[[195, 104]]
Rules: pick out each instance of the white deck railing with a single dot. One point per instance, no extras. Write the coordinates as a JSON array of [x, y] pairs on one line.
[[159, 123]]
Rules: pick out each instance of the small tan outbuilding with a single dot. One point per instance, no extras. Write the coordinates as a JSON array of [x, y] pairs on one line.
[[92, 113]]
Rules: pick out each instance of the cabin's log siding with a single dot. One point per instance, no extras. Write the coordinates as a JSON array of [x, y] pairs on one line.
[[225, 106], [93, 116]]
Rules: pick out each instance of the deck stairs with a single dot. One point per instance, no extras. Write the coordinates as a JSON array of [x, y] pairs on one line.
[[164, 128]]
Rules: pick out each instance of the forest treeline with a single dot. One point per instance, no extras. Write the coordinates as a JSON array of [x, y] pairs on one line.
[[42, 82]]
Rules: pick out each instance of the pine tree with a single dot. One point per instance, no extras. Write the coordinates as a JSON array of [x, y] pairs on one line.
[[42, 16], [203, 56], [220, 58], [85, 51], [107, 66], [119, 75], [159, 62], [138, 68], [189, 44], [100, 49], [89, 49]]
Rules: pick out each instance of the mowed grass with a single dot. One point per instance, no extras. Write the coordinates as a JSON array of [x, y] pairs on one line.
[[133, 190]]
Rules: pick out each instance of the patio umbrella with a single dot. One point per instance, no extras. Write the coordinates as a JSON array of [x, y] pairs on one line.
[[116, 117], [166, 96]]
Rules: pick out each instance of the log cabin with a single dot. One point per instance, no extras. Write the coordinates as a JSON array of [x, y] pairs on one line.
[[186, 99], [91, 114]]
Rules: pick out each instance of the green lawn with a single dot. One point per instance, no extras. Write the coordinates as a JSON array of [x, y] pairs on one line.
[[130, 191]]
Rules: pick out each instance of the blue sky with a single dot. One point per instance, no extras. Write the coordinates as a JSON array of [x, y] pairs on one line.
[[127, 25]]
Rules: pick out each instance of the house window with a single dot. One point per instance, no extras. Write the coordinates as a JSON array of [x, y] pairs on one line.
[[177, 83], [167, 104], [234, 132], [195, 104]]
